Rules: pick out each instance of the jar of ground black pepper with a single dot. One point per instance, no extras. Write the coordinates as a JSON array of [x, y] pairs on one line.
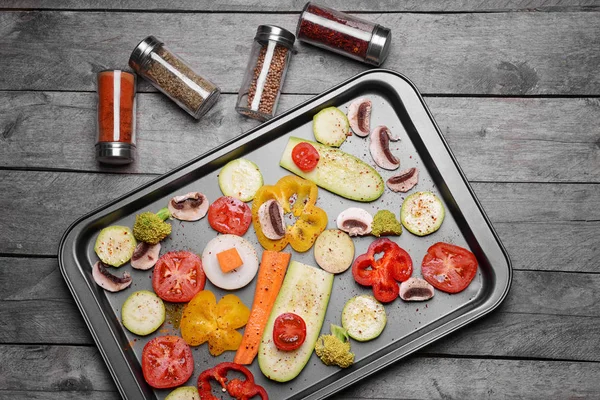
[[172, 76], [344, 34], [265, 73]]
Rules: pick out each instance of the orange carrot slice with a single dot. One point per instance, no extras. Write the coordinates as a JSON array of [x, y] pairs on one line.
[[270, 278], [229, 260]]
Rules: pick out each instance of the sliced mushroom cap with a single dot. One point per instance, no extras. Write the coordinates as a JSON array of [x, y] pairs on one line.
[[270, 216], [416, 289], [108, 281], [359, 116], [145, 255], [404, 180], [189, 207], [355, 221], [380, 148]]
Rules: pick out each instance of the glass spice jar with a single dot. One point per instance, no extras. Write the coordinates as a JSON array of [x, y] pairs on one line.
[[173, 77], [344, 34], [265, 73], [116, 117]]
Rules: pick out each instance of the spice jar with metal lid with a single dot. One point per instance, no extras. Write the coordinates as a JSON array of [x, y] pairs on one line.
[[265, 73], [344, 34], [172, 76], [116, 117]]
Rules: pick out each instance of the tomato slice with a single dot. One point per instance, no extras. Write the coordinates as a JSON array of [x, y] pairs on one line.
[[289, 332], [305, 156], [448, 267], [167, 362], [178, 276], [229, 215]]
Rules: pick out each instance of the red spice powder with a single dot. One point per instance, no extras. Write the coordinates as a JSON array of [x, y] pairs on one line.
[[106, 106]]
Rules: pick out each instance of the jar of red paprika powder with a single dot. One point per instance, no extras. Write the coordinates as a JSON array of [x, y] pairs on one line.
[[116, 117], [344, 34]]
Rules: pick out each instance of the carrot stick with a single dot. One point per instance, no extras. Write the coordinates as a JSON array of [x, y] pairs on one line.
[[270, 278]]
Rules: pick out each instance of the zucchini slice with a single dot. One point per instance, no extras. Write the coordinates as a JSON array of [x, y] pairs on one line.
[[241, 179], [363, 318], [143, 312], [115, 245], [422, 213], [184, 393], [331, 126]]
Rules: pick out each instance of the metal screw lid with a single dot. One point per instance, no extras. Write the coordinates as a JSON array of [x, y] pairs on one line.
[[379, 46], [115, 153], [275, 33], [141, 51]]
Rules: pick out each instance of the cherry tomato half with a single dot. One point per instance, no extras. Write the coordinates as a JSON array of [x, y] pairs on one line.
[[229, 215], [289, 332], [178, 276], [167, 362], [305, 156], [448, 267]]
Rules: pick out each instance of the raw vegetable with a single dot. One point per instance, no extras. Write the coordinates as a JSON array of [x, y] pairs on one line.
[[241, 179], [167, 362], [237, 278], [204, 320], [191, 206], [229, 260], [422, 213], [310, 219], [331, 127], [334, 349], [448, 267], [108, 281], [145, 255], [184, 393], [229, 215], [178, 276], [364, 318], [355, 221], [115, 245], [270, 277], [305, 156], [338, 172], [305, 291], [359, 116], [143, 312], [151, 228], [385, 223], [334, 251], [289, 332], [236, 388], [384, 271], [416, 289]]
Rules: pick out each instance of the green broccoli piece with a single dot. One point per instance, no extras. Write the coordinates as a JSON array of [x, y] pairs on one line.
[[152, 228], [385, 223], [334, 349]]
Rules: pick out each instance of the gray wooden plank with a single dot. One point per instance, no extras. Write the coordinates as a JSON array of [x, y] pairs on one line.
[[296, 6], [494, 139], [484, 53], [62, 395], [27, 369]]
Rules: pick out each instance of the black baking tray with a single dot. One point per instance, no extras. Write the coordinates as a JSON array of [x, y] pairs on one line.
[[396, 104]]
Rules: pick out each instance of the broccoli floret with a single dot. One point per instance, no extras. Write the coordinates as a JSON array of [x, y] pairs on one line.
[[152, 228], [334, 349]]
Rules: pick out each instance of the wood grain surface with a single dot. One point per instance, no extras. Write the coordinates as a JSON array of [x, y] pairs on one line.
[[513, 86]]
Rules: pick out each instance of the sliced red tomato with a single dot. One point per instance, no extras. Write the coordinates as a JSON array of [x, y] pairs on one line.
[[229, 215], [167, 362], [178, 276], [305, 156], [289, 332], [448, 267], [383, 273]]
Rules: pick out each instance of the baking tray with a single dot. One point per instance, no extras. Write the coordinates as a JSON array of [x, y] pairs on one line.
[[396, 104]]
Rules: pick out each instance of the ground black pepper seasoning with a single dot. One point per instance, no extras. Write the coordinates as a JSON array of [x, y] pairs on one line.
[[172, 76]]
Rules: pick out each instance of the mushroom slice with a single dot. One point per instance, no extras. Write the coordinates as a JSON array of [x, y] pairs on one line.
[[380, 148], [270, 216], [359, 116], [404, 181], [189, 207], [145, 255], [416, 289], [355, 221], [108, 281]]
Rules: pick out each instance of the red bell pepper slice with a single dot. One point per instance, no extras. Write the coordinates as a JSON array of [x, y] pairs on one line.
[[383, 273], [237, 388]]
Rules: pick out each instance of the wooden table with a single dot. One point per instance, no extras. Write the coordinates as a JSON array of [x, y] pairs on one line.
[[514, 86]]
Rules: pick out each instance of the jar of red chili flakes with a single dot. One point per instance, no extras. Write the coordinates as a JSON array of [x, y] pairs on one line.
[[265, 73], [344, 34]]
